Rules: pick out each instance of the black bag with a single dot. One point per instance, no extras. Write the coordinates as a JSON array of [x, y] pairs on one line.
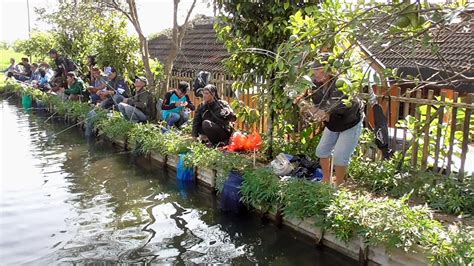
[[381, 131], [231, 198], [202, 79]]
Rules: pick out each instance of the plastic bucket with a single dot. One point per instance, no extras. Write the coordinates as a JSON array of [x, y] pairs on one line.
[[26, 101]]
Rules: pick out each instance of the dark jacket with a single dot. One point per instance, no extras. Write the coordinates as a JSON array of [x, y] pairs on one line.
[[144, 101], [63, 65], [218, 112], [341, 117], [120, 86]]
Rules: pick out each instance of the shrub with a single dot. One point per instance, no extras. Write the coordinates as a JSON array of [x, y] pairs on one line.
[[303, 199], [261, 189]]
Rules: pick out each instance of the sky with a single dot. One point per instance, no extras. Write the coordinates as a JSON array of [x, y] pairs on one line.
[[154, 15]]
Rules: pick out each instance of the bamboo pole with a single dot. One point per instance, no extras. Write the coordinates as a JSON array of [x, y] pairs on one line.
[[439, 131], [454, 114], [426, 137], [465, 137]]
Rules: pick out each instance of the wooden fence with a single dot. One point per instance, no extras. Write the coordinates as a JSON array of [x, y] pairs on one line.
[[439, 141]]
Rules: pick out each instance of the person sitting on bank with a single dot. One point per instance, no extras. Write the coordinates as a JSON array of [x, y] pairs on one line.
[[117, 89], [99, 84], [35, 75], [343, 125], [43, 82], [25, 73], [213, 120], [174, 106], [12, 69], [75, 87], [138, 108]]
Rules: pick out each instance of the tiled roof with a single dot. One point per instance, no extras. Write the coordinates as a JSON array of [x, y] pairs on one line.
[[454, 52], [200, 49]]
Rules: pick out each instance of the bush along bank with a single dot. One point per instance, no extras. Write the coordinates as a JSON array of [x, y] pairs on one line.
[[380, 228]]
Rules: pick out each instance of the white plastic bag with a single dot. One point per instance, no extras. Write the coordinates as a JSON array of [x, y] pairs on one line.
[[281, 165]]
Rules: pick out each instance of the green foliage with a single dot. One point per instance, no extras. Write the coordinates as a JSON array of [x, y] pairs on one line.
[[115, 128], [447, 194], [202, 156], [454, 247], [249, 115], [81, 29], [261, 189], [177, 143], [4, 45], [379, 176], [37, 45], [148, 138], [303, 142], [381, 221], [303, 199], [114, 47], [5, 59]]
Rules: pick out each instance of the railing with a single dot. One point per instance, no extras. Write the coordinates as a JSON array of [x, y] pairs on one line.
[[437, 138]]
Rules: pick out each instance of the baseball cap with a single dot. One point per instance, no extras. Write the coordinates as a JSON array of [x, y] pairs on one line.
[[142, 78], [109, 70]]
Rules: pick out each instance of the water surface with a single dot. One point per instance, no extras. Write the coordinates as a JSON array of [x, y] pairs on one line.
[[63, 200]]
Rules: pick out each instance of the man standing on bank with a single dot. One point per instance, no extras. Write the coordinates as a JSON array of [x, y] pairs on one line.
[[343, 125]]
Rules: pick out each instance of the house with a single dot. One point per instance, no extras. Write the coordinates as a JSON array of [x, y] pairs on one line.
[[200, 48]]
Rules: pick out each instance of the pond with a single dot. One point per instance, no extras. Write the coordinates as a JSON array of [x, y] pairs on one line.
[[63, 200]]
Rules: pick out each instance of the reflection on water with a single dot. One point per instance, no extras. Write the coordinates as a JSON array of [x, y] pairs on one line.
[[65, 201]]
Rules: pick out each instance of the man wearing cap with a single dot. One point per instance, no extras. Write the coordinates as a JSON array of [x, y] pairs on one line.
[[140, 107], [63, 64], [174, 104], [117, 89], [343, 124]]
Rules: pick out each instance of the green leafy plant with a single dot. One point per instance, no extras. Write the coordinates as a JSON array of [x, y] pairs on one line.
[[303, 199], [116, 128], [261, 189], [379, 176]]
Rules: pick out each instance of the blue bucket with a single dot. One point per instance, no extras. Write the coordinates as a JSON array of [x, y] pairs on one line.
[[231, 198], [182, 172]]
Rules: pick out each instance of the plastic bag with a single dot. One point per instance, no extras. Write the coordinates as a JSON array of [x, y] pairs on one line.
[[182, 172], [281, 165]]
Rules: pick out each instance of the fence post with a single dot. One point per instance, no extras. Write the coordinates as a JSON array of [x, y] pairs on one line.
[[414, 142], [426, 137], [454, 113], [438, 132], [465, 136]]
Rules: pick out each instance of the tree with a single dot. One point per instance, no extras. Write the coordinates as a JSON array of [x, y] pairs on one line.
[[178, 32], [252, 32], [38, 45], [129, 10], [279, 41], [81, 29]]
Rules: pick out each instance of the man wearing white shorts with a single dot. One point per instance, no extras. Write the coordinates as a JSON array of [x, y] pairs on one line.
[[343, 125]]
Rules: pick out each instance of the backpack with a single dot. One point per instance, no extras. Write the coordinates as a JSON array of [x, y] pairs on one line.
[[202, 79]]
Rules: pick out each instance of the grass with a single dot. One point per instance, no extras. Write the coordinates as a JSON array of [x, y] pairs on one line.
[[5, 56]]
